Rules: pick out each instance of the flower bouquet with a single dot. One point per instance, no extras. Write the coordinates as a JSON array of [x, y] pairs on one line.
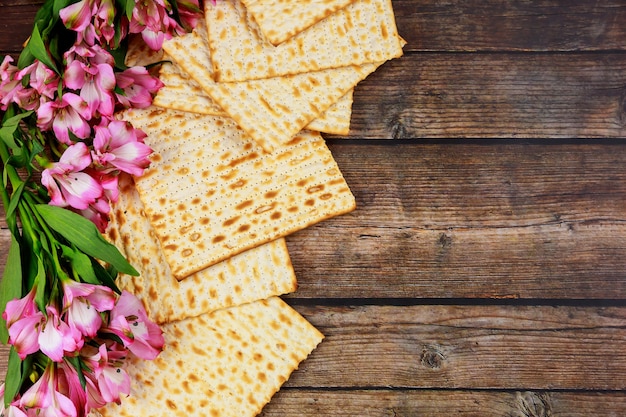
[[68, 326]]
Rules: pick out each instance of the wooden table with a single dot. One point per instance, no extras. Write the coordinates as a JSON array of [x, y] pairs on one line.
[[484, 271]]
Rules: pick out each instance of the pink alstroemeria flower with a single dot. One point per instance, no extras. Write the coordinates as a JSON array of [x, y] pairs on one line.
[[77, 16], [90, 70], [112, 379], [20, 308], [45, 398], [11, 88], [94, 397], [56, 337], [189, 13], [83, 304], [92, 20], [42, 79], [70, 385], [23, 321], [66, 184], [152, 19], [130, 322], [104, 22], [138, 87], [24, 334], [120, 146], [14, 409], [66, 114], [98, 211]]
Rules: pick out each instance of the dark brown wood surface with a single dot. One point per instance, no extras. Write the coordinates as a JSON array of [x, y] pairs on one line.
[[484, 270]]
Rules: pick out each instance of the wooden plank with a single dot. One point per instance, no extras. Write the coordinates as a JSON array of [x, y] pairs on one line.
[[494, 25], [469, 220], [574, 261], [455, 25], [466, 347], [430, 95], [16, 23], [396, 403]]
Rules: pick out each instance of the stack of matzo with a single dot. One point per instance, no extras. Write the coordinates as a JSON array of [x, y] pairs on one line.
[[238, 164]]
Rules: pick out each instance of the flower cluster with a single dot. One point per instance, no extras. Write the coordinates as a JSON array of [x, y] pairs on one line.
[[77, 105], [70, 329], [78, 349]]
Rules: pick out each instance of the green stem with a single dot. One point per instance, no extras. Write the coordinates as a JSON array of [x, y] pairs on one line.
[[15, 181], [14, 177], [4, 194]]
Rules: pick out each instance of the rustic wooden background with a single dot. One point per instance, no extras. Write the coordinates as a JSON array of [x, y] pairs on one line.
[[484, 271]]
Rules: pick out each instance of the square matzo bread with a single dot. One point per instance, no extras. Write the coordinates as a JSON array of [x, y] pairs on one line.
[[272, 110], [228, 363], [252, 275], [211, 192], [182, 92], [279, 20], [363, 32]]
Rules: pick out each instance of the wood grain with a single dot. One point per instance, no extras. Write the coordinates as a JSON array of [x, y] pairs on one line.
[[443, 403], [432, 95], [463, 347], [505, 220], [454, 25], [493, 25]]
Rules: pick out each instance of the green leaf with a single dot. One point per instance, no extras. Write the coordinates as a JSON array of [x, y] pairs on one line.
[[11, 284], [15, 199], [26, 58], [84, 235], [119, 55], [81, 263], [130, 6], [104, 276], [40, 281], [39, 51], [13, 380], [9, 127]]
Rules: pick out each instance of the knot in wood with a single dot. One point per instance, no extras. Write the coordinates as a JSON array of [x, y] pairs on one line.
[[432, 357], [397, 128], [532, 404]]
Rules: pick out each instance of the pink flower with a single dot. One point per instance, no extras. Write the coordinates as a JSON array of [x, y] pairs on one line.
[[69, 113], [24, 334], [137, 86], [70, 385], [90, 70], [104, 22], [94, 397], [112, 379], [83, 304], [14, 409], [20, 308], [189, 13], [44, 396], [11, 88], [77, 16], [66, 184], [131, 324], [120, 146], [152, 19], [23, 322], [42, 79], [98, 211], [56, 337]]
